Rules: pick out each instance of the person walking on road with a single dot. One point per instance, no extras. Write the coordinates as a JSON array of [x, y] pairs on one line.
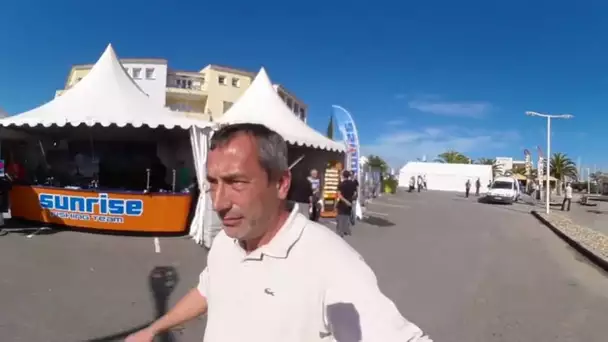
[[273, 275], [567, 197], [467, 188], [477, 186], [315, 184], [347, 191]]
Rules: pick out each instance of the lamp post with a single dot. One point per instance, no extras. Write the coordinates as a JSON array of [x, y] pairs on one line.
[[588, 181], [548, 168]]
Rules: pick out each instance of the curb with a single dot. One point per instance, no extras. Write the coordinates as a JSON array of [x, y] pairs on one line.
[[587, 253]]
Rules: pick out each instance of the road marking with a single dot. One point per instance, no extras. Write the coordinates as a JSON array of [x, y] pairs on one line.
[[367, 213], [37, 231], [156, 245]]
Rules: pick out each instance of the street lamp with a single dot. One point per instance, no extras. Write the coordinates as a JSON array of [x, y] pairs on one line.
[[548, 168]]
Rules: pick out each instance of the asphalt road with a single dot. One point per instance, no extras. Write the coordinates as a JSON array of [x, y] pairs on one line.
[[462, 270]]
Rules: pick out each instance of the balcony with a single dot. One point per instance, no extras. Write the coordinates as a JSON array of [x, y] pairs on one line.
[[186, 85]]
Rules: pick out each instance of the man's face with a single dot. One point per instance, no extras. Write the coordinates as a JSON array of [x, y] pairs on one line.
[[313, 173], [241, 193]]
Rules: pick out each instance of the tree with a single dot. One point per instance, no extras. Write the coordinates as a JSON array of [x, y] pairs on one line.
[[452, 157], [377, 163], [496, 169], [330, 128], [520, 170], [562, 167]]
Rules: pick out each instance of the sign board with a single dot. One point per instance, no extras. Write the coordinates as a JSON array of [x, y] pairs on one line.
[[115, 211], [353, 149]]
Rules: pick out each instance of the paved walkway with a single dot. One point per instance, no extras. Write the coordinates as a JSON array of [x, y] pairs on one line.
[[595, 217], [462, 270]]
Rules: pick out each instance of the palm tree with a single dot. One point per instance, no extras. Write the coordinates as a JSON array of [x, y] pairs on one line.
[[520, 170], [453, 157], [377, 163], [496, 169], [562, 167]]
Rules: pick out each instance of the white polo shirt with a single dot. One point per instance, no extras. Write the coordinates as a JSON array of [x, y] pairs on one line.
[[306, 285]]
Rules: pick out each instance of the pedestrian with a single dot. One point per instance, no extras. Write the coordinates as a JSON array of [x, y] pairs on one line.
[[419, 183], [567, 196], [315, 184], [424, 182], [347, 190], [467, 187], [353, 213], [272, 275], [477, 186], [300, 192], [412, 184]]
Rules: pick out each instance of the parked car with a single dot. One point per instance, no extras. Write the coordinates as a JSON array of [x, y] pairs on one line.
[[503, 190]]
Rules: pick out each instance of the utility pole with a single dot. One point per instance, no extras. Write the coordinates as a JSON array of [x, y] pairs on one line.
[[548, 170], [588, 181]]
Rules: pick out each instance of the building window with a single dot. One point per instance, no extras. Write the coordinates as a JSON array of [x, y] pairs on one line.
[[289, 103], [227, 106], [149, 73], [236, 82], [137, 73], [282, 96], [183, 83], [221, 80], [302, 114], [127, 71], [296, 108]]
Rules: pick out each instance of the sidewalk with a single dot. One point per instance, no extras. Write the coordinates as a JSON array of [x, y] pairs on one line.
[[594, 217], [583, 227]]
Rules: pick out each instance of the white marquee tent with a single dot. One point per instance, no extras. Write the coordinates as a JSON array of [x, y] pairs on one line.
[[108, 96], [446, 177], [262, 105]]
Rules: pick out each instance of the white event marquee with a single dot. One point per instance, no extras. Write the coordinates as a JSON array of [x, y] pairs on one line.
[[106, 96], [262, 105]]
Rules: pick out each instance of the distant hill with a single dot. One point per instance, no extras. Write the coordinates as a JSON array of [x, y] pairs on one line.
[[3, 113]]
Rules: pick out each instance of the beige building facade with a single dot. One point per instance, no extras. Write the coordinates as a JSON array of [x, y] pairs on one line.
[[207, 93]]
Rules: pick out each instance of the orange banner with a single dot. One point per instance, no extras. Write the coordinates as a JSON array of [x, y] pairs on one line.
[[116, 211]]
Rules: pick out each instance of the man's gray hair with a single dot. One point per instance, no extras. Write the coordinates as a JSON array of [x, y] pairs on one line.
[[272, 148]]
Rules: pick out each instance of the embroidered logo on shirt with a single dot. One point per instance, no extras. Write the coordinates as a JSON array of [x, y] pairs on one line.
[[323, 334], [269, 292]]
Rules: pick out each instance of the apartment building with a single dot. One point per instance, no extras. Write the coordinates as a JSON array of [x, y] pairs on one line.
[[208, 93]]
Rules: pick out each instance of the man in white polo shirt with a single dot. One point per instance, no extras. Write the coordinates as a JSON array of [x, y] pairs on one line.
[[272, 274]]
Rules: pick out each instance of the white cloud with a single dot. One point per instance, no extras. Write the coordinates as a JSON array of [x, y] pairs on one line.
[[401, 146], [396, 122], [459, 109]]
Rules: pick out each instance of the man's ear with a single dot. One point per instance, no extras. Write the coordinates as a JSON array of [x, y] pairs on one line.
[[283, 185]]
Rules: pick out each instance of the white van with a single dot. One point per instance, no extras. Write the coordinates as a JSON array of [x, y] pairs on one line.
[[503, 190]]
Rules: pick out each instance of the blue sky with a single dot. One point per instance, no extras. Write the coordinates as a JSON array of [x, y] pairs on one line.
[[419, 77]]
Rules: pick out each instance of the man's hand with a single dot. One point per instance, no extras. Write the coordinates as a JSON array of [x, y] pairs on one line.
[[144, 335]]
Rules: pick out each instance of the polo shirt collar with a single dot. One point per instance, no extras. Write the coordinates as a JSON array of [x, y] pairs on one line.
[[283, 241]]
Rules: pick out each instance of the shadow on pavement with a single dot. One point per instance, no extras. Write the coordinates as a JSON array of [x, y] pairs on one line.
[[23, 227], [377, 221], [596, 211], [162, 281]]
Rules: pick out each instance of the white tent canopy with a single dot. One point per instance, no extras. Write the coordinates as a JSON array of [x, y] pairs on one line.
[[262, 105], [446, 177], [106, 96]]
